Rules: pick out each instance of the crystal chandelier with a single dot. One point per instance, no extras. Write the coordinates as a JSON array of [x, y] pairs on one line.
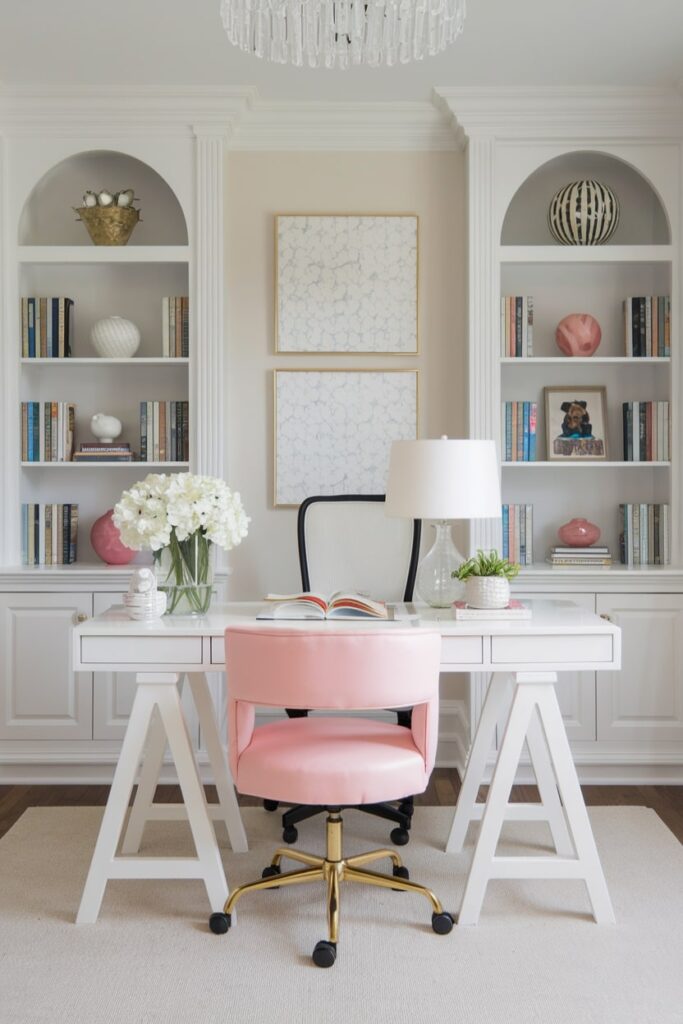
[[339, 33]]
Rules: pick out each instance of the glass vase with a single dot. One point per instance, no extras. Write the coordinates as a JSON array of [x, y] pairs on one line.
[[435, 583], [184, 571]]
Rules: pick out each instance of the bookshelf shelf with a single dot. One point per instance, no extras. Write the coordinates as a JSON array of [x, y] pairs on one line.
[[104, 465], [585, 254], [89, 254], [578, 464], [587, 361], [94, 361]]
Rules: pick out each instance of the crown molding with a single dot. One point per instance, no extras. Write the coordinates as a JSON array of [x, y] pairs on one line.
[[560, 112], [238, 114]]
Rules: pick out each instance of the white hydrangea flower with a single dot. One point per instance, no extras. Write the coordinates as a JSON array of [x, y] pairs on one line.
[[149, 512]]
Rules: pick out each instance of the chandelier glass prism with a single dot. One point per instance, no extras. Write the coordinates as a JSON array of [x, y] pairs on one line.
[[343, 33]]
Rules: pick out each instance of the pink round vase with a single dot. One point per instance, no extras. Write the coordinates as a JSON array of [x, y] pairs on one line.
[[106, 541], [579, 533], [578, 334]]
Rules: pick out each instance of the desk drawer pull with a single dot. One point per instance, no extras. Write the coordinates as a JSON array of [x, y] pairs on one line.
[[80, 617], [605, 616]]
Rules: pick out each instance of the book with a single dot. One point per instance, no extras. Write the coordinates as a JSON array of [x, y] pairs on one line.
[[515, 610], [316, 606]]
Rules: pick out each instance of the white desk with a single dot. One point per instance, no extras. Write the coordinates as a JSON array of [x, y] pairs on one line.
[[524, 658]]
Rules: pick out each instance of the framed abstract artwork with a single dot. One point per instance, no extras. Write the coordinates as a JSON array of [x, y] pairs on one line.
[[334, 428], [576, 423], [346, 283]]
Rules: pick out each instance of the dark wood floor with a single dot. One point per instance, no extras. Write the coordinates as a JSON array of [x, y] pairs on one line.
[[667, 801]]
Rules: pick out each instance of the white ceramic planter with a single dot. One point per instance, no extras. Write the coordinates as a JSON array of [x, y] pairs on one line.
[[487, 592]]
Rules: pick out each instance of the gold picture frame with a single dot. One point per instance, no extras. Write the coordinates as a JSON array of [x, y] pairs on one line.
[[346, 321], [333, 434]]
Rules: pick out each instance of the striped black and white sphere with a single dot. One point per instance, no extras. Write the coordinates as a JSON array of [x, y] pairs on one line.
[[583, 213]]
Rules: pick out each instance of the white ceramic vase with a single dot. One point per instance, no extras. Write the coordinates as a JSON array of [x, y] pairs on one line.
[[487, 592], [114, 337], [105, 428]]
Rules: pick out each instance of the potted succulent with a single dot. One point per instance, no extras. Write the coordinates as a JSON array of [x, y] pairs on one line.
[[487, 579]]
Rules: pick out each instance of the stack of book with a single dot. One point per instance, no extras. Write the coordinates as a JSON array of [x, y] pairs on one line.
[[47, 431], [647, 432], [519, 431], [596, 555], [647, 326], [644, 534], [516, 326], [46, 328], [103, 451], [164, 431], [175, 331], [49, 534], [518, 529]]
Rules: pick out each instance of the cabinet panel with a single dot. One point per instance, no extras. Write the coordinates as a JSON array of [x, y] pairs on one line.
[[642, 705], [575, 690], [40, 695]]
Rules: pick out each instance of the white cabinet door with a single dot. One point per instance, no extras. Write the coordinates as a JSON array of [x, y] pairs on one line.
[[40, 696], [641, 707], [575, 690], [113, 692]]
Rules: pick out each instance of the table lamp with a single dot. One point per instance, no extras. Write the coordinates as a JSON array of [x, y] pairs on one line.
[[442, 479]]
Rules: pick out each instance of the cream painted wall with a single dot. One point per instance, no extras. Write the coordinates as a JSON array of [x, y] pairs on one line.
[[259, 185]]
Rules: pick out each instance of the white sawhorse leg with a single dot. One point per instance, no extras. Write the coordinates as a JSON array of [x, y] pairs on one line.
[[156, 697], [226, 809], [468, 809], [535, 696]]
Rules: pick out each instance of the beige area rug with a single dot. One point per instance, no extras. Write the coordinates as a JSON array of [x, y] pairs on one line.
[[536, 957]]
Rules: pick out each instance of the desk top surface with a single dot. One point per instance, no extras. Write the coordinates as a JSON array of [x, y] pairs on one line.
[[548, 618]]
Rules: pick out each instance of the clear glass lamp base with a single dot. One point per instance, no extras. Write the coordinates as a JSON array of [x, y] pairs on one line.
[[434, 582]]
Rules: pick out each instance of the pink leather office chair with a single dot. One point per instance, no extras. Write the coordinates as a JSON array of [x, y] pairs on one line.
[[332, 761]]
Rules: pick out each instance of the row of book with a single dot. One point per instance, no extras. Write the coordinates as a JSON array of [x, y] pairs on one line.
[[516, 326], [164, 431], [647, 432], [49, 534], [647, 326], [644, 534], [46, 329], [597, 555], [518, 533], [175, 330], [519, 431], [47, 431], [104, 451]]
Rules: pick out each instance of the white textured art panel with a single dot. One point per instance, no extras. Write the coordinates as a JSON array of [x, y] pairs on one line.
[[334, 430], [347, 284]]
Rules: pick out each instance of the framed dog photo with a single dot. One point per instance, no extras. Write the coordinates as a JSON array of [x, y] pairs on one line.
[[576, 423]]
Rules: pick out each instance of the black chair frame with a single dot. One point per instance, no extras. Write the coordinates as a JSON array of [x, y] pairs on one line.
[[401, 815]]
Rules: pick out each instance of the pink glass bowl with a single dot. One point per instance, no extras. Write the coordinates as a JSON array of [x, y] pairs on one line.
[[579, 533], [106, 541], [578, 334]]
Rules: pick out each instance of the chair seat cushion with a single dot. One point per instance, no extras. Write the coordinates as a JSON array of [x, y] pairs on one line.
[[325, 760]]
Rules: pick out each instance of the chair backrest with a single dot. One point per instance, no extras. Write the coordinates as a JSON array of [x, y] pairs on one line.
[[333, 667], [346, 542]]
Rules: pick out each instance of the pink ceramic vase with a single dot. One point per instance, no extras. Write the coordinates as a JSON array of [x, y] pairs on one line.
[[578, 334], [106, 541], [579, 533]]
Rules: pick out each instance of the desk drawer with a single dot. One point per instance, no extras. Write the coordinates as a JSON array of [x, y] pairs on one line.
[[463, 650], [218, 650], [545, 649], [147, 650]]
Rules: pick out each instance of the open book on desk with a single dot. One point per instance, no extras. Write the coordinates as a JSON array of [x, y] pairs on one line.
[[316, 606]]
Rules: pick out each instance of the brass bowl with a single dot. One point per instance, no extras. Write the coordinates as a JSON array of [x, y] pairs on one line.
[[108, 225]]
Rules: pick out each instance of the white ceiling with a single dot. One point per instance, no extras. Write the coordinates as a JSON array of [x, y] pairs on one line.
[[181, 42]]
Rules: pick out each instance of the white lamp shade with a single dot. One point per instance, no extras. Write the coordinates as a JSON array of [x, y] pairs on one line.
[[443, 479]]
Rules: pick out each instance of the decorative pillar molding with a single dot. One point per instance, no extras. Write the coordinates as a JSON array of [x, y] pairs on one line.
[[207, 285], [483, 315]]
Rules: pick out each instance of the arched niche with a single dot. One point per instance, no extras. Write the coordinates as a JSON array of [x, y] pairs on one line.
[[643, 218], [48, 218]]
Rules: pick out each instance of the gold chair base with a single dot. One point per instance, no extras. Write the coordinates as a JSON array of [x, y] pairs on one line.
[[334, 869]]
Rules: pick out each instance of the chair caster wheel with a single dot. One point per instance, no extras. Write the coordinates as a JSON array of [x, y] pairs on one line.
[[219, 923], [290, 834], [270, 805], [407, 808], [399, 836], [325, 953], [442, 923], [400, 871], [270, 872]]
